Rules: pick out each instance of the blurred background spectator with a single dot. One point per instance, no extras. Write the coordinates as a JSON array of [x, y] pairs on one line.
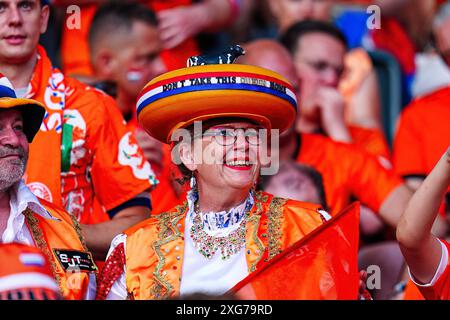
[[25, 274], [375, 79]]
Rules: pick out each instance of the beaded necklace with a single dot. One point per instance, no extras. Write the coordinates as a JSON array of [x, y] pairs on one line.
[[208, 245]]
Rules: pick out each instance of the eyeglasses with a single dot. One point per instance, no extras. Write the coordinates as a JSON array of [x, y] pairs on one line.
[[228, 137]]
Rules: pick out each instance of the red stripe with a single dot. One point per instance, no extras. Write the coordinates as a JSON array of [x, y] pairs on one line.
[[214, 74]]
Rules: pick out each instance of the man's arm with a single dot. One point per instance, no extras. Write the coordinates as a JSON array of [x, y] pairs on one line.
[[99, 236], [394, 205], [421, 249], [121, 177]]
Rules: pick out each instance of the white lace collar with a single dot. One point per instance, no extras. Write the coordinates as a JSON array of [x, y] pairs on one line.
[[216, 221]]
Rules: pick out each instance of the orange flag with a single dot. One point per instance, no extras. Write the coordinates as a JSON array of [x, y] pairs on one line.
[[322, 265]]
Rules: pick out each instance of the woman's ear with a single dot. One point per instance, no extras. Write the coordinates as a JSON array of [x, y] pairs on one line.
[[186, 154]]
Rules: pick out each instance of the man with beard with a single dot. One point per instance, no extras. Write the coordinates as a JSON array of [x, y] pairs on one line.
[[31, 221]]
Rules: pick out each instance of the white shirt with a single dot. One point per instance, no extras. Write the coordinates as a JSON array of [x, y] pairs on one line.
[[22, 198], [16, 230]]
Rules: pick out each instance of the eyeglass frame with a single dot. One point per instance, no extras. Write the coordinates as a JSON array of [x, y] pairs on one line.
[[217, 132]]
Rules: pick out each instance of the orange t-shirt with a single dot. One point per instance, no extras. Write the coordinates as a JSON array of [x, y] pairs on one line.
[[423, 134], [347, 171], [75, 53], [98, 161], [371, 141]]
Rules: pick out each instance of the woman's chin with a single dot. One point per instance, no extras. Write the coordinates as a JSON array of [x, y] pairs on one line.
[[239, 178]]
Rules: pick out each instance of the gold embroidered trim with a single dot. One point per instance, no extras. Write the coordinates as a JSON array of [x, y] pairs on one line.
[[261, 197], [168, 232], [255, 220], [77, 228], [38, 237], [275, 216]]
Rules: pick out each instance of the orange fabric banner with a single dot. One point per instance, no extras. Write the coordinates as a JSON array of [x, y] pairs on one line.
[[321, 266]]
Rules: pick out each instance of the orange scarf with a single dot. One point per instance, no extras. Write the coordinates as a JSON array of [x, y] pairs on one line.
[[47, 86]]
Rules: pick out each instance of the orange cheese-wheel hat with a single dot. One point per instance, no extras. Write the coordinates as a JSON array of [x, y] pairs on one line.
[[178, 98], [32, 111]]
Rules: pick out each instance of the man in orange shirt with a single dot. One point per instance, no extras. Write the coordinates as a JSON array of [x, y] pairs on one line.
[[318, 50], [83, 158], [423, 132], [179, 22], [125, 47]]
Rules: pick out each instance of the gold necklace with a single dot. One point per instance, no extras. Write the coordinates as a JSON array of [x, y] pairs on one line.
[[208, 245]]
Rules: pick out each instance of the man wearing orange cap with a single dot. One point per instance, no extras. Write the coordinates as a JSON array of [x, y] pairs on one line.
[[216, 116], [83, 157], [26, 219], [318, 50]]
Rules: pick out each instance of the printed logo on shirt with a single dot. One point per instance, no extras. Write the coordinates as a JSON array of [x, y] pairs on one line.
[[129, 155], [54, 99], [75, 260], [74, 142], [40, 190]]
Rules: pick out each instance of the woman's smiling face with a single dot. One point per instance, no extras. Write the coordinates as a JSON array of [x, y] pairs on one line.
[[227, 155]]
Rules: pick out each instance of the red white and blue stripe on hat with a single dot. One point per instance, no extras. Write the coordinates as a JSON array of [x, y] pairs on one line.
[[208, 81]]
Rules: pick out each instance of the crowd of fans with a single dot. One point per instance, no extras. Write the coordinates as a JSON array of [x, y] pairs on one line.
[[93, 158]]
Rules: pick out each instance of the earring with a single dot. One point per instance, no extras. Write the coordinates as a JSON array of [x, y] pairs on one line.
[[254, 187], [193, 182]]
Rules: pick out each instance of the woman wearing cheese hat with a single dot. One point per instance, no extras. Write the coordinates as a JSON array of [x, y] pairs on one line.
[[224, 230]]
